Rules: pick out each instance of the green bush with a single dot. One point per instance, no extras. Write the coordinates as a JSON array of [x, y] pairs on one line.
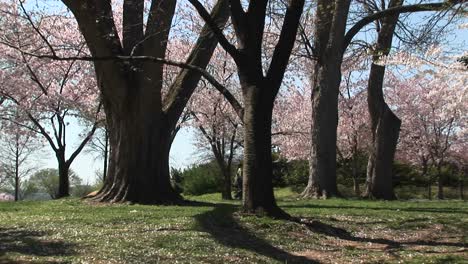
[[201, 179]]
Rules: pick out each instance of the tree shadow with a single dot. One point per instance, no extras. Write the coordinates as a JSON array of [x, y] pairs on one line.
[[329, 230], [447, 210], [221, 224], [26, 242]]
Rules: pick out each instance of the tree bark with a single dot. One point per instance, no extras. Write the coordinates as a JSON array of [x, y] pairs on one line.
[[379, 168], [17, 179], [257, 181], [226, 191], [106, 154], [64, 179], [384, 123], [440, 183], [328, 43]]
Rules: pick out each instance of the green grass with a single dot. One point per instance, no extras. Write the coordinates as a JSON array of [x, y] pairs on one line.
[[330, 231]]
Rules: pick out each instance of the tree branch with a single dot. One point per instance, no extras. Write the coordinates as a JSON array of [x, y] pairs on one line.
[[395, 10]]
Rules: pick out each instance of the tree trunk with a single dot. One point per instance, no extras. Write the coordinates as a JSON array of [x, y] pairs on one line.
[[322, 179], [139, 152], [64, 180], [226, 192], [106, 154], [384, 123], [379, 168], [257, 181], [429, 190], [136, 115], [329, 34], [440, 185], [461, 185], [17, 157], [357, 190]]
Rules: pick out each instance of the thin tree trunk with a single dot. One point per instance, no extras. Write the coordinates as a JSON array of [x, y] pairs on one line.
[[17, 170], [461, 187], [385, 124], [440, 183], [429, 190], [357, 190], [64, 180]]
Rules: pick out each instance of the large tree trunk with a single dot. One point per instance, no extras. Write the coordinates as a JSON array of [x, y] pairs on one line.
[[257, 182], [64, 180], [322, 179], [384, 123], [138, 155], [329, 35]]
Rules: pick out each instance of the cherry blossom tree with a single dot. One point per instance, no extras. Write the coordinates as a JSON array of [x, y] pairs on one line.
[[125, 39], [219, 129], [48, 94], [330, 42], [260, 85], [18, 145], [431, 104]]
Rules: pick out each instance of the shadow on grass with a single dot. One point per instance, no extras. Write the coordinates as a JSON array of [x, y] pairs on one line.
[[26, 242], [447, 210], [221, 224], [329, 230]]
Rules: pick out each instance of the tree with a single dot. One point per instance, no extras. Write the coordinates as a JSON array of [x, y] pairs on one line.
[[219, 128], [327, 49], [431, 105], [384, 123], [99, 147], [259, 85], [18, 145], [47, 94], [140, 121]]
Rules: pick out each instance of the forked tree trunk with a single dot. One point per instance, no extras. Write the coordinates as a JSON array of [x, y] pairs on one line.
[[329, 36], [385, 124], [139, 121], [257, 182]]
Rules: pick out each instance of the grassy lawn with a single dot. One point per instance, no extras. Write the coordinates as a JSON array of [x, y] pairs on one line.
[[331, 231]]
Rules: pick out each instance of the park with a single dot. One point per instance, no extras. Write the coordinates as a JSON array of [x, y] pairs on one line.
[[230, 131]]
